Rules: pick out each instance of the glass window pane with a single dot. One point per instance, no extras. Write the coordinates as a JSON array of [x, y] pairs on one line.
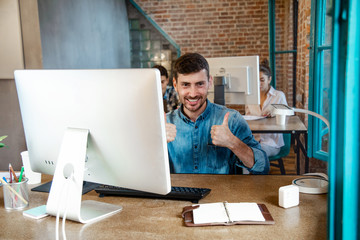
[[328, 23], [325, 98]]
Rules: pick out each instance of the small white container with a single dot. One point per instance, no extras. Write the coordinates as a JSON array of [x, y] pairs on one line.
[[280, 119], [288, 196], [34, 178]]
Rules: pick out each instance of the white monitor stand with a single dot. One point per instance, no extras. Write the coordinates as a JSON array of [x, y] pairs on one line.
[[66, 190]]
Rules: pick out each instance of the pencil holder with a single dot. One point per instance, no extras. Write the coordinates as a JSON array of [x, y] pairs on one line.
[[16, 195]]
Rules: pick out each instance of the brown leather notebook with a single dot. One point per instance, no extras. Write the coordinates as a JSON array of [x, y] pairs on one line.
[[187, 215]]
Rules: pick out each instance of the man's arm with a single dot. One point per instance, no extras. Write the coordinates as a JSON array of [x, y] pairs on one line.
[[223, 137]]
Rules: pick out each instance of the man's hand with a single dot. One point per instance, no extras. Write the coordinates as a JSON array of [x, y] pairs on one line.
[[170, 131], [223, 137], [221, 134]]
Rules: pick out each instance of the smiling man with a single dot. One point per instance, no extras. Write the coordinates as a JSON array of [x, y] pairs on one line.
[[204, 137]]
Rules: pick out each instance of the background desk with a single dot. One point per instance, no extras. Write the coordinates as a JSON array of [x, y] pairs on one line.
[[161, 219], [292, 125]]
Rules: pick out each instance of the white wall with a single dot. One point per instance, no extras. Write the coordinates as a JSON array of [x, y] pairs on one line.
[[11, 51]]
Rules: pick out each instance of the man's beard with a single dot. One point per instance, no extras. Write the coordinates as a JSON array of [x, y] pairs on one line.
[[199, 107]]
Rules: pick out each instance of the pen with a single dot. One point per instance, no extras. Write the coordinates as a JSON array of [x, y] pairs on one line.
[[12, 170], [11, 189], [21, 173], [10, 174], [4, 179]]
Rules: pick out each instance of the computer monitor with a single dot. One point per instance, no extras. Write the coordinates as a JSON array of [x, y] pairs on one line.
[[241, 75], [102, 126]]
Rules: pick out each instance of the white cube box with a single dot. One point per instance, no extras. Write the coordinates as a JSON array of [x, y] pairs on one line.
[[288, 196]]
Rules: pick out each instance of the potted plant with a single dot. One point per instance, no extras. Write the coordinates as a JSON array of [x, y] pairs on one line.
[[2, 144]]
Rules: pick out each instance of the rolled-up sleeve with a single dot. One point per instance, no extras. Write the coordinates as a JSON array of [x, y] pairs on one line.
[[261, 165]]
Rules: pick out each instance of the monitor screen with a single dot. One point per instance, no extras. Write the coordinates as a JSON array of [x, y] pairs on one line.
[[121, 108], [241, 75]]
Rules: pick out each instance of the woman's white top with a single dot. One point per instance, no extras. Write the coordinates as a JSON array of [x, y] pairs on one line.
[[273, 97]]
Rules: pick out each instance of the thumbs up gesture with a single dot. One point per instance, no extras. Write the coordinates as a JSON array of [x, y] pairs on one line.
[[170, 131], [221, 134]]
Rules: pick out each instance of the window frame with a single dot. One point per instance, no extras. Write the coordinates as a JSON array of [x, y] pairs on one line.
[[344, 164], [317, 49]]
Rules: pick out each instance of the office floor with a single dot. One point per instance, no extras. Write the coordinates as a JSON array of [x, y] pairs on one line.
[[289, 163]]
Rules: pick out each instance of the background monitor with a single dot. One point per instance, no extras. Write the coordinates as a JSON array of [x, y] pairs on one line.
[[241, 76], [122, 109]]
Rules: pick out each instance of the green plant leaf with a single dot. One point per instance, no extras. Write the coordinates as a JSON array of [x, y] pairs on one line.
[[2, 145], [2, 138]]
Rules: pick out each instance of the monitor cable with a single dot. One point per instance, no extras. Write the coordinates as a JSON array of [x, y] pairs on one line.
[[69, 177]]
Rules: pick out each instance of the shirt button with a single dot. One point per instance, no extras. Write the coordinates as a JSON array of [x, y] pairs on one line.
[[196, 127], [195, 146], [196, 167]]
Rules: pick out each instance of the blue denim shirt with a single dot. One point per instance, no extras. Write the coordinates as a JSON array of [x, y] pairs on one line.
[[192, 150], [172, 99]]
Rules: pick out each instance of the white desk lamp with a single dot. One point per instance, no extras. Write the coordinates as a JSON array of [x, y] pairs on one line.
[[310, 185], [283, 110]]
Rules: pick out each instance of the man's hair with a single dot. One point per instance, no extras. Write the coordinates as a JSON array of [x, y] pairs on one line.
[[163, 71], [190, 63]]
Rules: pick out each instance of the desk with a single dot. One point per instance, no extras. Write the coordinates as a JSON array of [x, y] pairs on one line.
[[161, 219], [292, 125]]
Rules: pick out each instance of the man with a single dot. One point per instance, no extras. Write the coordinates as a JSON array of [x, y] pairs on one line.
[[204, 137], [170, 97]]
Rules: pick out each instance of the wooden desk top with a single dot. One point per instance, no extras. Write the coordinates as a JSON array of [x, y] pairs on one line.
[[161, 219], [268, 125]]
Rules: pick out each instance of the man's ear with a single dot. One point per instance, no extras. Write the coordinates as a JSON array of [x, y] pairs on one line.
[[210, 81], [174, 84]]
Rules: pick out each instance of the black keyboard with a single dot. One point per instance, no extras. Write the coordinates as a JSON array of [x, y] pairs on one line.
[[177, 193], [87, 187]]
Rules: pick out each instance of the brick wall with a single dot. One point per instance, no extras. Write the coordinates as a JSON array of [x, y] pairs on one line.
[[213, 28], [238, 28], [228, 28], [303, 56]]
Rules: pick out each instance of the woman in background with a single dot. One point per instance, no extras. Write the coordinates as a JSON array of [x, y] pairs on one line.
[[270, 143]]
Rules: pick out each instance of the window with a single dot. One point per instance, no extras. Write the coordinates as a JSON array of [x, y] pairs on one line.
[[320, 76], [344, 164], [283, 17]]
